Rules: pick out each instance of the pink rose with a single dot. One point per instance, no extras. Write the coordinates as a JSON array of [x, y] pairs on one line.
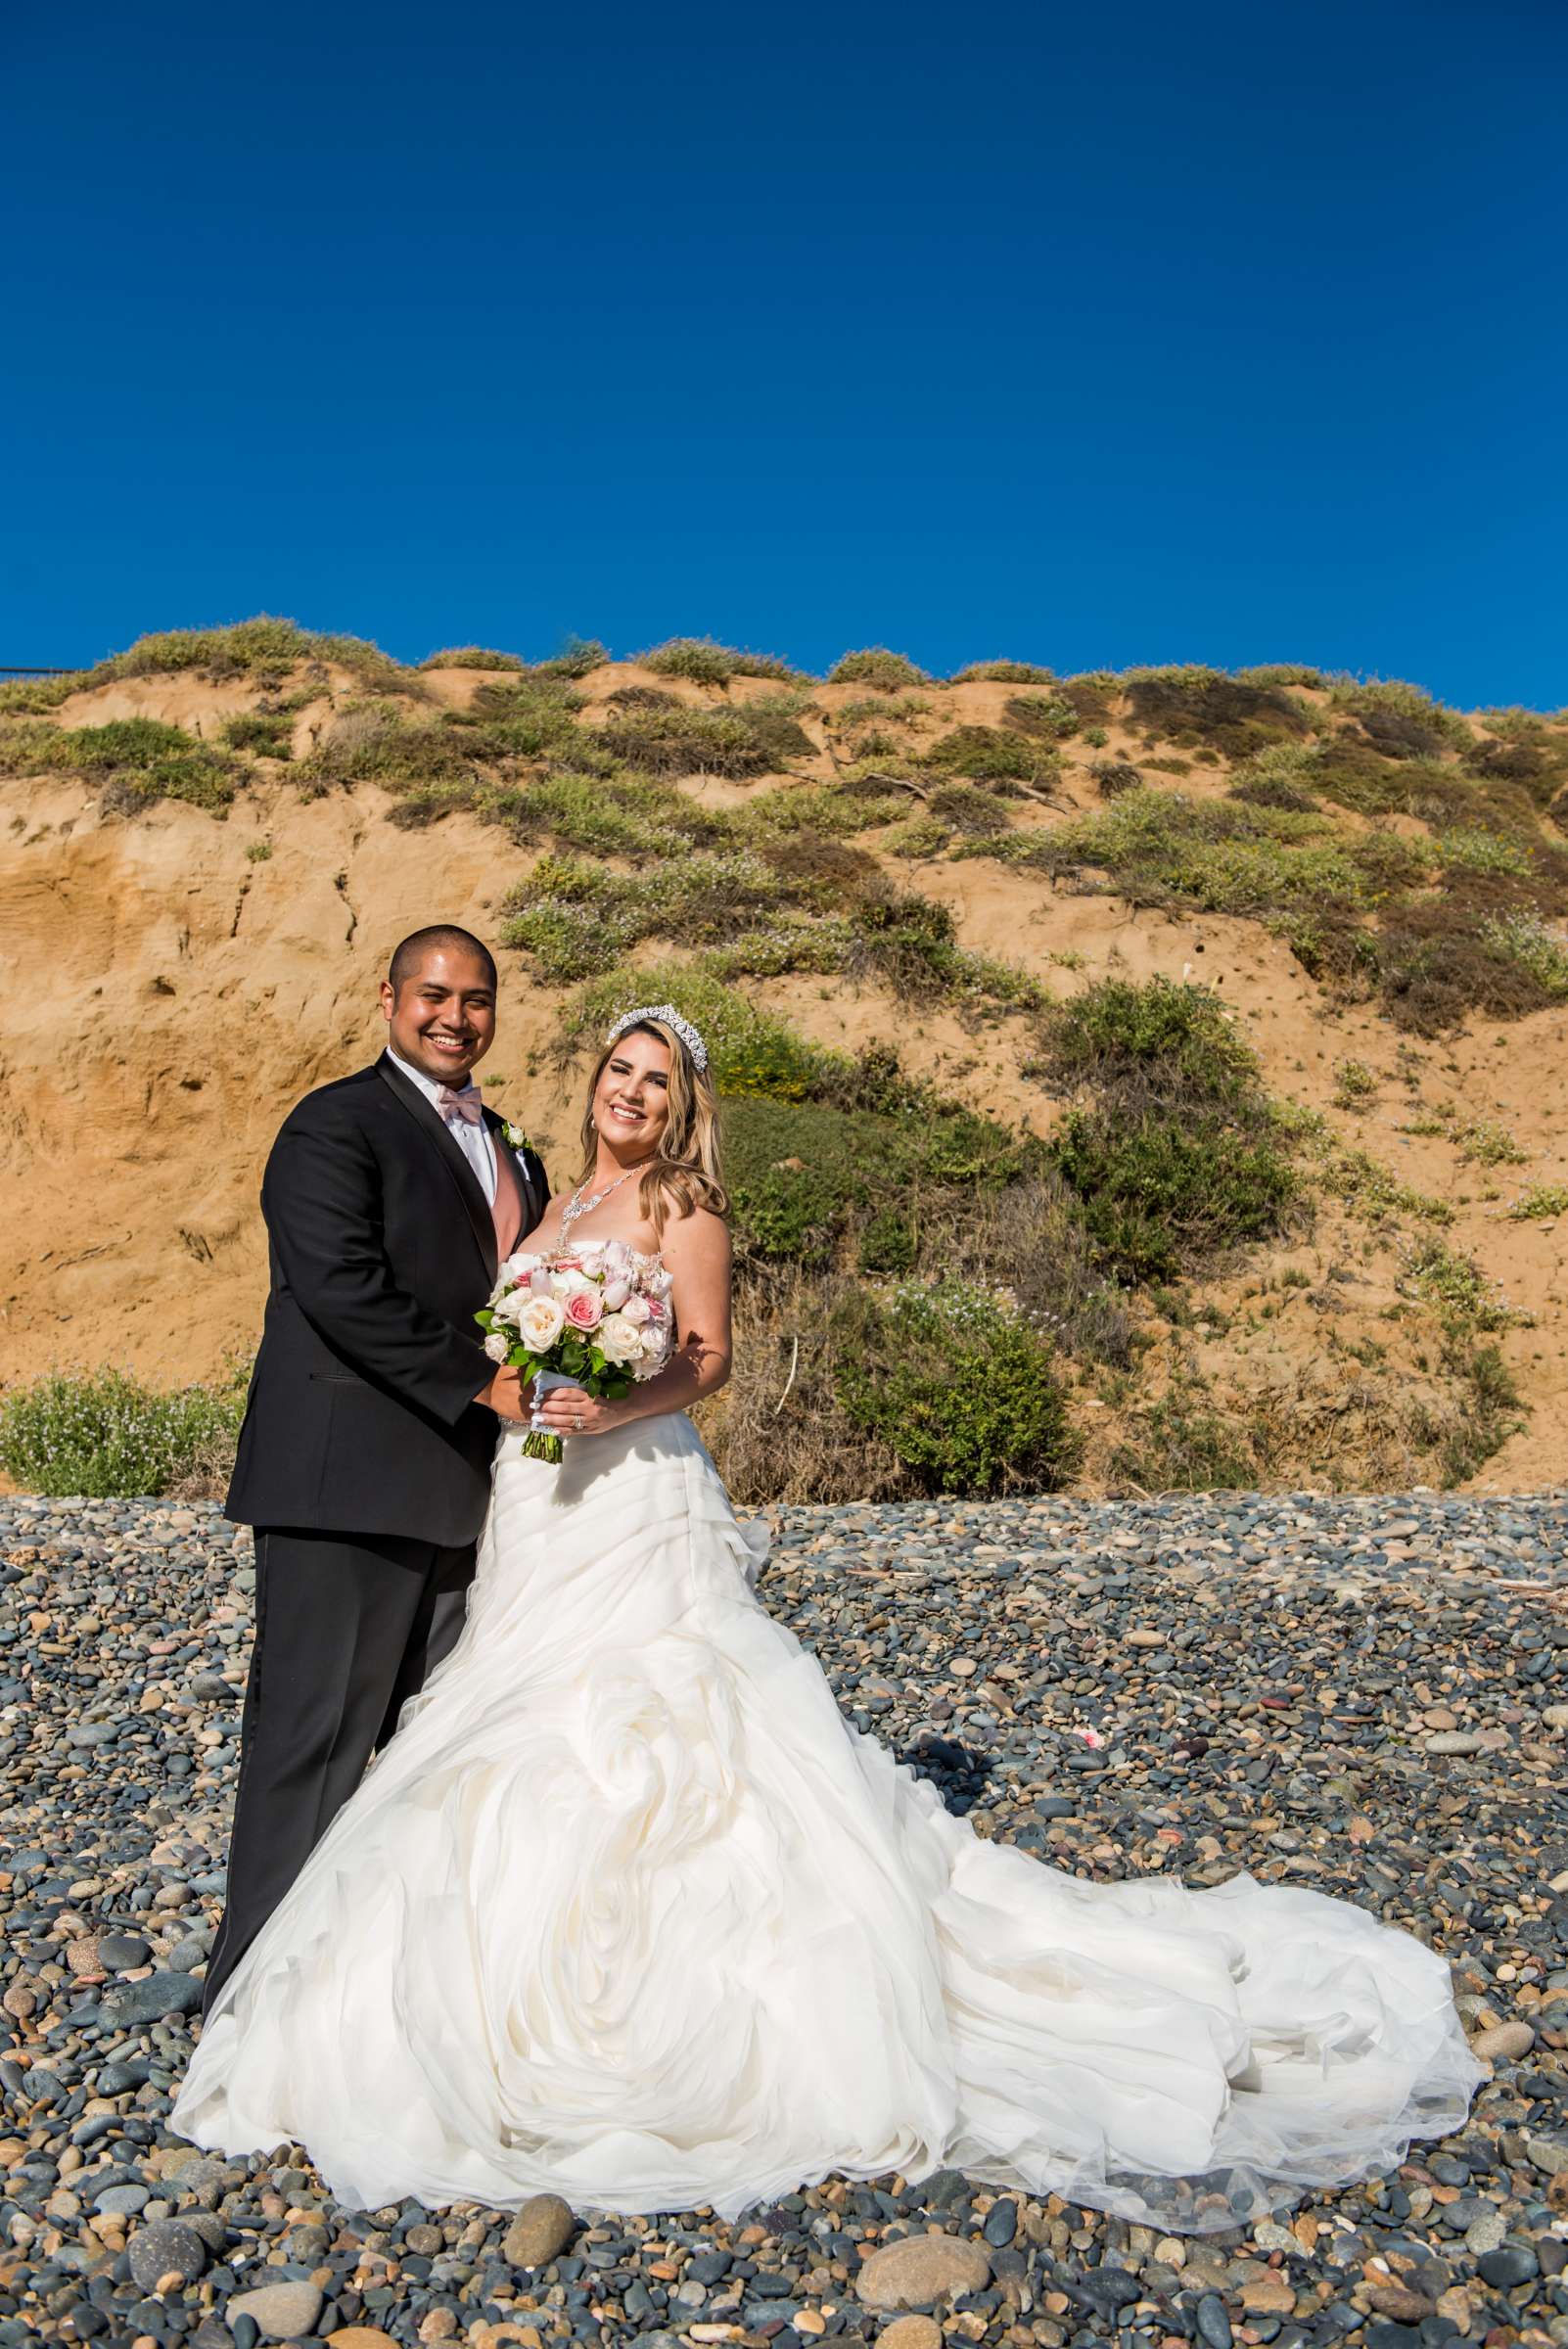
[[584, 1309]]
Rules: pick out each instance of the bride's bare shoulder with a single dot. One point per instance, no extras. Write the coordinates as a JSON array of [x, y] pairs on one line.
[[698, 1237]]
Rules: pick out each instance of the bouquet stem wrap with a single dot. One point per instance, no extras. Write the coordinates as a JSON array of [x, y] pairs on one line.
[[540, 1443]]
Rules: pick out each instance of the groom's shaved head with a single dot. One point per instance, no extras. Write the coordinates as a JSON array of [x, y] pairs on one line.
[[409, 954]]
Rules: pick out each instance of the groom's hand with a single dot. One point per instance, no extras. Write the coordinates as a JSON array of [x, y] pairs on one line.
[[504, 1394]]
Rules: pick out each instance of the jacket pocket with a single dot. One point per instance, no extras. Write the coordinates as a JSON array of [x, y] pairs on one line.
[[339, 1378]]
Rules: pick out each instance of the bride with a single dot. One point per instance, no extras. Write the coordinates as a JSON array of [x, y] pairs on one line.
[[626, 1911]]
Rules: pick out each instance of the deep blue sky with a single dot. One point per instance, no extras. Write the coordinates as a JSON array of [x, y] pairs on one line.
[[1088, 336]]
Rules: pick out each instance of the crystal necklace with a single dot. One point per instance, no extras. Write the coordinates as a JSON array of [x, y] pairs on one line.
[[576, 1205]]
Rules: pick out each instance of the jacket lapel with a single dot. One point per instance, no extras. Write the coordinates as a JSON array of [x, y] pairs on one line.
[[435, 1127], [534, 1206]]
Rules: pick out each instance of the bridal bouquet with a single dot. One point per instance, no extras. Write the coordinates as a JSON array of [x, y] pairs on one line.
[[595, 1316]]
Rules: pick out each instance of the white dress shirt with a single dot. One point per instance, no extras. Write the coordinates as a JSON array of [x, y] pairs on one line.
[[473, 1140]]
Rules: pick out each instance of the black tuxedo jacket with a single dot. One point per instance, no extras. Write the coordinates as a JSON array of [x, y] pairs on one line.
[[361, 1415]]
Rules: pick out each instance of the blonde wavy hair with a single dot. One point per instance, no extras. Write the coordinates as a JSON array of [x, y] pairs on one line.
[[686, 1174]]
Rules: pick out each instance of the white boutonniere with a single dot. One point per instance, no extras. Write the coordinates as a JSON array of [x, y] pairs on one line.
[[516, 1135]]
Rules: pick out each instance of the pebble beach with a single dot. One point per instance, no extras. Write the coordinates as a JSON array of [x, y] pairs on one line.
[[1369, 1697]]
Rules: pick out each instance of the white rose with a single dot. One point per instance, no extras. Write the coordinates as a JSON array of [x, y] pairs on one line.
[[661, 1284], [616, 1339], [635, 1310], [497, 1347], [560, 1284], [651, 1345], [511, 1306], [519, 1268], [540, 1324]]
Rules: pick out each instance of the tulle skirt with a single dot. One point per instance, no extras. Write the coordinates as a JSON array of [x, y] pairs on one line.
[[627, 1911]]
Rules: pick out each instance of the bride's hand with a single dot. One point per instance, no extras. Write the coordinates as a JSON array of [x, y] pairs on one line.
[[568, 1411]]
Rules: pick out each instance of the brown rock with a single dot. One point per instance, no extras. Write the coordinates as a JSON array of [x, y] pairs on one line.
[[1504, 2042], [359, 2337], [1269, 2294], [911, 2332], [540, 2232], [918, 2271], [1402, 2302]]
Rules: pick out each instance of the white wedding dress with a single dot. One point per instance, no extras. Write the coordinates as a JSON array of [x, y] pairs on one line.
[[628, 1913]]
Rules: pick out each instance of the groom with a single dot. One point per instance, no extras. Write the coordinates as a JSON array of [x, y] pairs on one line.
[[364, 1460]]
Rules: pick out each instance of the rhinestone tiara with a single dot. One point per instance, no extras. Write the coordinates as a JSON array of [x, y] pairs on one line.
[[671, 1017]]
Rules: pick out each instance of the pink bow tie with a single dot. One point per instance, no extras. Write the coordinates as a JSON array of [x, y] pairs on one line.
[[468, 1104]]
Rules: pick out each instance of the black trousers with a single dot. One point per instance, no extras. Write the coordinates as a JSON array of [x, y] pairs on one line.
[[347, 1627]]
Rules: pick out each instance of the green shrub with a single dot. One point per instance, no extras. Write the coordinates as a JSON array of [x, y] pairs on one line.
[[1491, 1410], [1182, 1444], [1177, 1037], [1402, 721], [1114, 776], [472, 656], [578, 656], [609, 815], [1164, 1192], [877, 706], [887, 673], [31, 747], [1463, 1295], [1478, 852], [1354, 1084], [991, 755], [264, 647], [373, 742], [966, 807], [265, 735], [33, 696], [773, 720], [1159, 848], [962, 1389], [1487, 1142], [107, 1435], [803, 1175], [1543, 1203], [1369, 1191], [142, 760], [853, 804], [1044, 715], [919, 839], [1282, 672], [1201, 705], [907, 942], [1093, 694], [887, 1243], [701, 662], [687, 742], [1003, 672]]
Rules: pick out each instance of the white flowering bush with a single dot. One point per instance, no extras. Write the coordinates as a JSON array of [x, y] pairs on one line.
[[107, 1435]]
